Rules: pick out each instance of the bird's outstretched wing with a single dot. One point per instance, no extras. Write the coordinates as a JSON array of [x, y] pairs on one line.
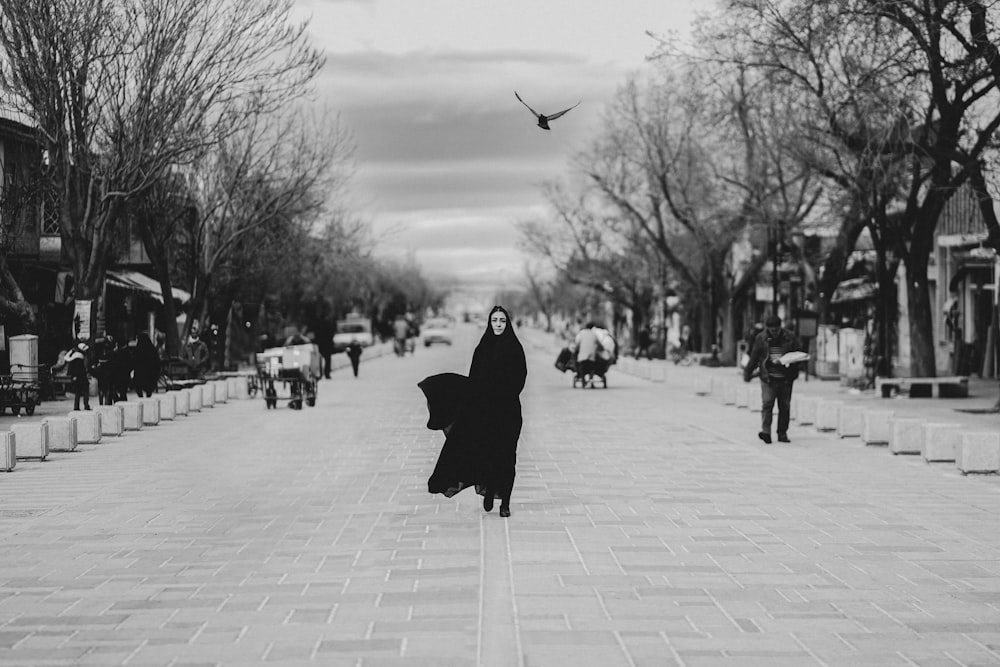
[[556, 115], [535, 113]]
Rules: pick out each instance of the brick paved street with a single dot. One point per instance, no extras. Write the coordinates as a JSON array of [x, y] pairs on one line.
[[650, 527]]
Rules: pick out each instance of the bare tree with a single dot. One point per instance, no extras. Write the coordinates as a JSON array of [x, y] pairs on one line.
[[256, 187], [159, 213], [123, 90], [590, 245], [940, 58], [691, 165], [18, 199]]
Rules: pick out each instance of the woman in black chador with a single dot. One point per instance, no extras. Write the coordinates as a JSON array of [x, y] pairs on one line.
[[481, 417]]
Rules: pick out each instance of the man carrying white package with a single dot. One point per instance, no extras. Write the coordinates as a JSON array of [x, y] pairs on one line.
[[775, 356]]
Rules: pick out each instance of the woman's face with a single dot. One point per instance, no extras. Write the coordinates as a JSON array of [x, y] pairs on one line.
[[498, 321]]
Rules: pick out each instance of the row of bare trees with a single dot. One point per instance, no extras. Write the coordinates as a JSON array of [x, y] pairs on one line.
[[861, 115], [186, 120]]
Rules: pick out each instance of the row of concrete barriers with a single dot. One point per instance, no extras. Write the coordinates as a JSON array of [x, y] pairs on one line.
[[35, 439], [972, 450], [647, 369]]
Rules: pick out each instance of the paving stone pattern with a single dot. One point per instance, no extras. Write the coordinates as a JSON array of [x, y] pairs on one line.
[[650, 527]]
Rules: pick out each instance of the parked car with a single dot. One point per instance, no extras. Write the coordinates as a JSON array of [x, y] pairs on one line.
[[437, 330], [352, 329]]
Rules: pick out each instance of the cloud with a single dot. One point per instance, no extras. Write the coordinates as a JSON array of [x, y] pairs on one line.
[[475, 245], [443, 147]]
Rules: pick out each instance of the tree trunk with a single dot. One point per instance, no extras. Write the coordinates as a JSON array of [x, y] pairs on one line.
[[836, 261], [157, 253], [13, 305], [922, 362], [198, 307], [169, 311]]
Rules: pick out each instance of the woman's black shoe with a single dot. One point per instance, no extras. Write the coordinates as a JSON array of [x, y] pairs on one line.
[[504, 511], [488, 502]]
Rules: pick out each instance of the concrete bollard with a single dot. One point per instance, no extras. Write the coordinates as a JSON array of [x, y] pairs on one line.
[[729, 393], [744, 395], [940, 441], [719, 389], [194, 398], [703, 385], [208, 395], [8, 451], [221, 391], [827, 415], [112, 419], [658, 373], [168, 406], [239, 388], [88, 426], [131, 415], [150, 411], [977, 452], [62, 433], [877, 427], [243, 389], [182, 402], [907, 435], [32, 440], [850, 421], [808, 407]]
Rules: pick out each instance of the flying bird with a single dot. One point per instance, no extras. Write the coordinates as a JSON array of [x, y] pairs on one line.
[[543, 120]]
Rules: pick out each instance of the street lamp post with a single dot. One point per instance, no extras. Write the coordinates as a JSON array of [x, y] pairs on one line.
[[777, 229]]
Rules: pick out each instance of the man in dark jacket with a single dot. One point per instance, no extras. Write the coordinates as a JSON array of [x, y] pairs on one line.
[[776, 379]]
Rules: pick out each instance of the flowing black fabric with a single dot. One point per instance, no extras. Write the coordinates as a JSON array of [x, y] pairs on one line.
[[484, 412], [446, 394]]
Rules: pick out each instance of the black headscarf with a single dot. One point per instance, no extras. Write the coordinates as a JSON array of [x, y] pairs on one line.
[[498, 366]]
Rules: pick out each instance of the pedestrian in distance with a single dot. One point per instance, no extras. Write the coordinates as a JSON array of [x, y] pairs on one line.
[[324, 341], [587, 347], [146, 366], [645, 340], [776, 375], [480, 416], [194, 354], [75, 362], [120, 371], [400, 333], [101, 370], [354, 354]]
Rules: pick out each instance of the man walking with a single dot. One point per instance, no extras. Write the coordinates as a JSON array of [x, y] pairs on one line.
[[776, 378], [354, 354]]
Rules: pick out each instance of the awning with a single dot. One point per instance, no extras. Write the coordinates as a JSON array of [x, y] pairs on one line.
[[139, 282], [854, 289]]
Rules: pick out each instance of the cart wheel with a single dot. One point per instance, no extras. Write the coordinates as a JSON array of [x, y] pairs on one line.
[[15, 410], [29, 410]]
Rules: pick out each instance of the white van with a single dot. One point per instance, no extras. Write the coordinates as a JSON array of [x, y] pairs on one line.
[[353, 328]]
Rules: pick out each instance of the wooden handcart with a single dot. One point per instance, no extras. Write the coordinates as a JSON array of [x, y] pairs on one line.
[[291, 372]]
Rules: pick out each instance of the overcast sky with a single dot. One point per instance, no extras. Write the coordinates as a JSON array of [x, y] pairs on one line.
[[446, 154]]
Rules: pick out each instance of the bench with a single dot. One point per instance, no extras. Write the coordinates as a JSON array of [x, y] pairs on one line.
[[956, 386]]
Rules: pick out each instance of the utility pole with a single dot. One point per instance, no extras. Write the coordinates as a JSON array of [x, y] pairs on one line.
[[775, 263]]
